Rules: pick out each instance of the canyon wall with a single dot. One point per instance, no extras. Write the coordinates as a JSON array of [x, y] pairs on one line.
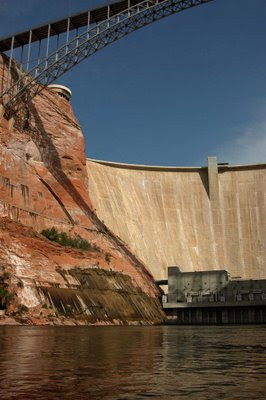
[[51, 284], [43, 184], [197, 218]]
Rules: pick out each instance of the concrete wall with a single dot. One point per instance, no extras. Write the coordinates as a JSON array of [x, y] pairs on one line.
[[186, 216]]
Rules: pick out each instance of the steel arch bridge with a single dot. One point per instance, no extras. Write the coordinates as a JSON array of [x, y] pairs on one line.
[[46, 52]]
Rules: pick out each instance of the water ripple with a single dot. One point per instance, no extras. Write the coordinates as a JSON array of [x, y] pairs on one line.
[[126, 363]]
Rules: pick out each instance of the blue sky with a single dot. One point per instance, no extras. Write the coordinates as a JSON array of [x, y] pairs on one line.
[[172, 93]]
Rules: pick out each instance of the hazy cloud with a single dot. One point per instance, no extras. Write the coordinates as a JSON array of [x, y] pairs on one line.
[[247, 147]]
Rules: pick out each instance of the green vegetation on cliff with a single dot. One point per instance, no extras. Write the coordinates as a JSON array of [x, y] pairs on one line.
[[63, 239]]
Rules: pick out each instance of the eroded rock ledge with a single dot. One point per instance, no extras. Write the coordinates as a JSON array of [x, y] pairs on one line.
[[50, 284]]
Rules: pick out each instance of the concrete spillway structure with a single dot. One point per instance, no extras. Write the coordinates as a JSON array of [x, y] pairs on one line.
[[200, 218]]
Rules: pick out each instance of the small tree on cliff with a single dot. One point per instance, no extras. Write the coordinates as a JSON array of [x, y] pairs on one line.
[[65, 240], [51, 234]]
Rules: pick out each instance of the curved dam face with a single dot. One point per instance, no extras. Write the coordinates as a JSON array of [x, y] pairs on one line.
[[199, 218]]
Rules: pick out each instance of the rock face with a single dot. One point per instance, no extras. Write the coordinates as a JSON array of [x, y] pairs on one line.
[[186, 216], [43, 183], [62, 285]]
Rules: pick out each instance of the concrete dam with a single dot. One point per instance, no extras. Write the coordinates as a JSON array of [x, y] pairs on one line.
[[199, 218]]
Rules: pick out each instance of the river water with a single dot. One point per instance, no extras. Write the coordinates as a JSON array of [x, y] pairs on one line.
[[164, 362]]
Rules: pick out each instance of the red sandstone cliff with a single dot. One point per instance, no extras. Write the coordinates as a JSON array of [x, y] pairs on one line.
[[43, 183]]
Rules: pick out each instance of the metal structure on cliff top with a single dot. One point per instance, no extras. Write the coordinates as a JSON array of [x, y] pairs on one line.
[[55, 48]]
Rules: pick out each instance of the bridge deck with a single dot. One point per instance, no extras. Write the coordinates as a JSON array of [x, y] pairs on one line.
[[60, 26]]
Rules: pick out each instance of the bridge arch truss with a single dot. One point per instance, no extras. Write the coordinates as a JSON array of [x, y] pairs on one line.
[[48, 51]]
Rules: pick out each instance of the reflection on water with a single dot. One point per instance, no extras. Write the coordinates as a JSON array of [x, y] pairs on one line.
[[167, 362]]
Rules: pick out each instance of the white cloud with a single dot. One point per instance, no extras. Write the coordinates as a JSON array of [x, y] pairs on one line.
[[247, 147]]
